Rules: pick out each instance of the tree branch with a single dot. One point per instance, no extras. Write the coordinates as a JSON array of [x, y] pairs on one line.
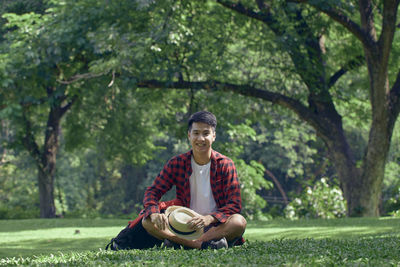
[[263, 6], [240, 8], [341, 18], [350, 65], [385, 41], [28, 140], [68, 105], [263, 16], [278, 185], [78, 77], [247, 90]]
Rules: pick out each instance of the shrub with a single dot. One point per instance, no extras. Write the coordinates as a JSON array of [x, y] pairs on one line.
[[391, 190], [320, 201], [252, 179], [393, 204]]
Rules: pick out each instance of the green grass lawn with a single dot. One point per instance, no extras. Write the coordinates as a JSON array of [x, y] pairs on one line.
[[344, 242]]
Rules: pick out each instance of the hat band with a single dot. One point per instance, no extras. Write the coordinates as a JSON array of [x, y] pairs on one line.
[[179, 232]]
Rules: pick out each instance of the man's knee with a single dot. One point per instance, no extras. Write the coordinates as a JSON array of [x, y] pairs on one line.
[[146, 222], [237, 222], [148, 225], [151, 228]]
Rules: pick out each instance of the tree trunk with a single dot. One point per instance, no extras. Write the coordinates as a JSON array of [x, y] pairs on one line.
[[361, 186], [363, 189], [48, 168], [46, 195], [45, 158]]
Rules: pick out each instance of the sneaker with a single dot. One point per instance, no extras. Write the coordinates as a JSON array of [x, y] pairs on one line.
[[169, 244], [112, 245], [215, 244]]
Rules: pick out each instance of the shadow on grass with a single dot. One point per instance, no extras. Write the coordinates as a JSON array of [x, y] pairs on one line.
[[28, 248]]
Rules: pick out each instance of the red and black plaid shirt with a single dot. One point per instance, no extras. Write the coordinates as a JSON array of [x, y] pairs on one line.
[[223, 179]]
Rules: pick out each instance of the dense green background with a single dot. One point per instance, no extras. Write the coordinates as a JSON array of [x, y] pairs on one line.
[[88, 57]]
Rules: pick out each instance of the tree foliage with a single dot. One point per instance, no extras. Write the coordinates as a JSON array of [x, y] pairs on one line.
[[120, 78], [306, 31]]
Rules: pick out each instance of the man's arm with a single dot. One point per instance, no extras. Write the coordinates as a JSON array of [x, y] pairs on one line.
[[159, 220], [153, 193], [201, 221], [231, 192]]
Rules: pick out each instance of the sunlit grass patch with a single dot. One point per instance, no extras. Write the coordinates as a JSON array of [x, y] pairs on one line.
[[337, 228], [344, 242]]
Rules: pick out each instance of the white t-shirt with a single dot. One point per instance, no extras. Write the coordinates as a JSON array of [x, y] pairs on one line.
[[201, 197]]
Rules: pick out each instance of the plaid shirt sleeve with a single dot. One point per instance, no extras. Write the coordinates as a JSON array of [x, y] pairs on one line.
[[229, 198], [162, 183]]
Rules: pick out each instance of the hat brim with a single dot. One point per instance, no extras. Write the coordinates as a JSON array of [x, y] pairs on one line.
[[171, 209], [197, 233]]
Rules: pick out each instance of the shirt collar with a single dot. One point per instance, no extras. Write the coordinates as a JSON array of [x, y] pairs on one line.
[[214, 155]]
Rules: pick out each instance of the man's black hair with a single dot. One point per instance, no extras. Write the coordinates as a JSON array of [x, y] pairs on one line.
[[203, 116]]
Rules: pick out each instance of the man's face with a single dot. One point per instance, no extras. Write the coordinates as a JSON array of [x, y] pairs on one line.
[[201, 137]]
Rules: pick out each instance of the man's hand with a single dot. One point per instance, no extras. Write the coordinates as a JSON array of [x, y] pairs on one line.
[[201, 221], [159, 220]]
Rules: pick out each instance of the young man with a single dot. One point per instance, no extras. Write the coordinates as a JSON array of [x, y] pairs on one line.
[[206, 181]]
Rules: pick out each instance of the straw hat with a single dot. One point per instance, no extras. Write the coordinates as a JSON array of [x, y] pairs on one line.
[[178, 217]]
